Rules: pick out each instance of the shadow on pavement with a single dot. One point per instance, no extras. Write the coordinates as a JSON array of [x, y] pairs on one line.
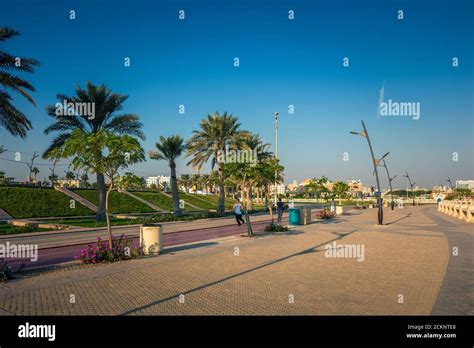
[[404, 217], [187, 247], [303, 252]]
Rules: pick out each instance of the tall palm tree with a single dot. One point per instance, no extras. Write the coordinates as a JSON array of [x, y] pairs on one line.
[[216, 134], [12, 119], [107, 105], [169, 149]]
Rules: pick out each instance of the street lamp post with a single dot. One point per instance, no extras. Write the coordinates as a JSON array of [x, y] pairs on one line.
[[448, 180], [276, 156], [375, 162], [392, 205], [411, 187]]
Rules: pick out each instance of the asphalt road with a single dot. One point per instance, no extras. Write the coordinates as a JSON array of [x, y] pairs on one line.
[[63, 247]]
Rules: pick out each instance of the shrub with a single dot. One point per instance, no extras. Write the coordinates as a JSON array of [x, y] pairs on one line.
[[275, 228], [5, 271], [326, 214], [100, 251]]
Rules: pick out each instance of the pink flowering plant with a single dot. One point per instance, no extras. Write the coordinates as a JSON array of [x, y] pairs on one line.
[[123, 248]]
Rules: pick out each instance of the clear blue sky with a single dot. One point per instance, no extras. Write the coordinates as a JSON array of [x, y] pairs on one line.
[[282, 62]]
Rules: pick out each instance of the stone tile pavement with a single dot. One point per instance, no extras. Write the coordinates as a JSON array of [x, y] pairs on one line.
[[403, 269]]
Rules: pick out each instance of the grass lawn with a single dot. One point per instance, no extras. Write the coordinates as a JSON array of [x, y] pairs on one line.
[[156, 198], [33, 202], [120, 203], [10, 229], [213, 199], [195, 200]]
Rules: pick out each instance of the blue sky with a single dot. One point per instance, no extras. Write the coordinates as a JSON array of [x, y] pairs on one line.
[[282, 62]]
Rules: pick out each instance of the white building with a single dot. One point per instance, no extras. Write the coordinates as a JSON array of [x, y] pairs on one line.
[[160, 180], [465, 184], [280, 189]]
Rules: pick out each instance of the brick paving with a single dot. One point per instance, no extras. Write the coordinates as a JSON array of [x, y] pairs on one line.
[[407, 258]]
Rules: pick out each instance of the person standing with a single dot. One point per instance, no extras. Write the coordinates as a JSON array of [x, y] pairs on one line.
[[280, 208], [238, 212]]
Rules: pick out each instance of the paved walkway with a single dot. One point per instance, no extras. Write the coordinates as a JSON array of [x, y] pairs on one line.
[[405, 263]]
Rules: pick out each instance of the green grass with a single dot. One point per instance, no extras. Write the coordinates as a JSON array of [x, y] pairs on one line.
[[31, 202], [165, 202], [213, 199], [10, 229], [156, 198], [120, 203], [192, 199]]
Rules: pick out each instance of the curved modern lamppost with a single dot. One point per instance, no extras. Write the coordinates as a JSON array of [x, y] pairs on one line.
[[375, 162], [390, 179], [411, 187], [275, 194], [448, 180]]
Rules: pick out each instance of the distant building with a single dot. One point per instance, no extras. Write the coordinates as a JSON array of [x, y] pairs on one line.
[[160, 180], [68, 183], [293, 186], [440, 191], [280, 189], [465, 184], [355, 188]]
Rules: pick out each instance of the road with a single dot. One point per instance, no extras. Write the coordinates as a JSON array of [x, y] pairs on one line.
[[63, 246]]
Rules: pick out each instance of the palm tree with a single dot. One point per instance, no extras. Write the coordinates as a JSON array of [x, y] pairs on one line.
[[107, 105], [217, 133], [169, 149], [12, 119], [35, 172], [185, 179]]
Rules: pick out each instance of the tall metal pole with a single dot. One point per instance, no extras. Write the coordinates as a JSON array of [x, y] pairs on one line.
[[390, 183], [411, 188], [379, 198], [276, 156]]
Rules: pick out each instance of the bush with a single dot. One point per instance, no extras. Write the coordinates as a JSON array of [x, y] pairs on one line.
[[326, 214], [5, 271], [275, 228], [100, 251]]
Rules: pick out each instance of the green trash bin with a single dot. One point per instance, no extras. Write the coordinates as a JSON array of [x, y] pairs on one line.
[[294, 216]]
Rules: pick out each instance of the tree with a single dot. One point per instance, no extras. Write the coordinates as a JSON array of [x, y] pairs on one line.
[[12, 119], [130, 181], [318, 187], [216, 135], [184, 181], [35, 172], [266, 176], [340, 189], [103, 152], [106, 106], [85, 179], [169, 149], [3, 181]]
